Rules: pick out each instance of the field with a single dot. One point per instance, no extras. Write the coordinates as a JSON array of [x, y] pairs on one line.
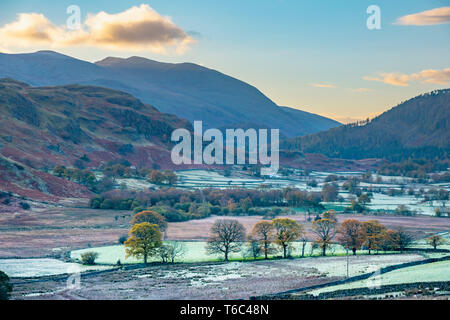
[[433, 272], [30, 268], [40, 245], [205, 281], [381, 202]]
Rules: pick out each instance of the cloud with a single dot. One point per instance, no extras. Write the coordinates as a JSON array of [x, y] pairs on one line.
[[426, 18], [441, 77], [361, 90], [138, 28], [322, 85]]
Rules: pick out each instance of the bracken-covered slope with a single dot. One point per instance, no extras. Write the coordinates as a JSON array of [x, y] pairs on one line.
[[48, 126], [187, 90], [417, 128]]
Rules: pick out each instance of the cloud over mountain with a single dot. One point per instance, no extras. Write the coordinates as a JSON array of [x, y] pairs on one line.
[[138, 28]]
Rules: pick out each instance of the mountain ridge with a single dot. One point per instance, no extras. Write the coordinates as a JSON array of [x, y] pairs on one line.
[[416, 128], [190, 91]]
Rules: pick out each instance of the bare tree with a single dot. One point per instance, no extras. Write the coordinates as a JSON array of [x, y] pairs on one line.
[[325, 230], [304, 240], [254, 248], [170, 252], [226, 236]]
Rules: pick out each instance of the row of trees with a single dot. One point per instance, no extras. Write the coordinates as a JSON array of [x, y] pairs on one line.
[[180, 205], [266, 238], [167, 177], [418, 169], [228, 236]]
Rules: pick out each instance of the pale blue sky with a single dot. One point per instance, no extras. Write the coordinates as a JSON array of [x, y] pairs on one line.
[[284, 46]]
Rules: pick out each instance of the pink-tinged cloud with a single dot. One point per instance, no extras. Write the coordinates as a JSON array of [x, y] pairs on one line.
[[138, 28], [426, 18], [440, 77], [361, 90], [322, 85]]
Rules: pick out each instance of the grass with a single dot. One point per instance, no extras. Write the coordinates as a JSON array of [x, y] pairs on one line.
[[433, 272], [25, 268]]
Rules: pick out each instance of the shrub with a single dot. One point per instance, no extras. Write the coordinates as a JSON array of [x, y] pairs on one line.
[[123, 239], [107, 204], [25, 206], [171, 214], [5, 287], [89, 258]]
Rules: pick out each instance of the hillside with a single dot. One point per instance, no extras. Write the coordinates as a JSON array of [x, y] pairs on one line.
[[187, 90], [48, 126], [417, 128]]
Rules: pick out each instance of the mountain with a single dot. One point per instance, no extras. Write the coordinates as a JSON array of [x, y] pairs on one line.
[[48, 126], [417, 128], [187, 90]]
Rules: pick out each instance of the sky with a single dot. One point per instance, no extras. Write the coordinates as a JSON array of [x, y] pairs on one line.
[[318, 56]]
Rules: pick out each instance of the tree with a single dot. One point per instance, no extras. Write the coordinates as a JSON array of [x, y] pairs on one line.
[[325, 230], [364, 199], [170, 177], [330, 215], [436, 241], [401, 239], [59, 171], [386, 242], [114, 171], [246, 204], [89, 258], [144, 240], [226, 236], [330, 192], [152, 218], [263, 232], [254, 247], [169, 252], [156, 177], [371, 234], [349, 235], [5, 286], [304, 241], [286, 232], [403, 210]]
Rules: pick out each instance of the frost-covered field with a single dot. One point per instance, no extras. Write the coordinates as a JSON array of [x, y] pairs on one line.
[[433, 272], [235, 280], [194, 252], [136, 184], [214, 179], [380, 201], [27, 268], [190, 179]]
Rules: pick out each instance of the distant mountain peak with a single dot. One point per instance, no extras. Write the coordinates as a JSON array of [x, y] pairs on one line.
[[140, 62]]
